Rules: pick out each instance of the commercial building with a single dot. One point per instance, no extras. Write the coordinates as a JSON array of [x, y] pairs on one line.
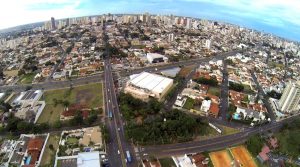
[[289, 101], [82, 159], [146, 85], [156, 58]]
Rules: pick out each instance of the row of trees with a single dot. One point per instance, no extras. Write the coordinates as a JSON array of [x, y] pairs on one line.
[[158, 127], [236, 86], [168, 127], [211, 82], [16, 125], [133, 108]]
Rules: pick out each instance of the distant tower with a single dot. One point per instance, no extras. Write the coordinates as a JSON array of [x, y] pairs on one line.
[[207, 44], [188, 23], [53, 23], [67, 22], [170, 37]]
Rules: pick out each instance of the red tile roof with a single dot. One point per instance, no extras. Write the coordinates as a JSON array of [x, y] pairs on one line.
[[263, 154], [35, 144], [76, 107], [214, 109]]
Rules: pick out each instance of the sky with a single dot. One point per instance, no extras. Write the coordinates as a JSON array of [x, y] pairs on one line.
[[279, 17]]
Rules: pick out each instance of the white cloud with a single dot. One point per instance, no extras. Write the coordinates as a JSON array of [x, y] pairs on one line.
[[16, 12], [268, 11]]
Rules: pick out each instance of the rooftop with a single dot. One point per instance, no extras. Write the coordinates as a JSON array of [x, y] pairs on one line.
[[152, 82]]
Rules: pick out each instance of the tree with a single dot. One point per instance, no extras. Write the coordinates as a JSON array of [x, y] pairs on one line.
[[212, 81], [66, 103], [274, 94], [57, 124], [77, 120], [24, 127], [21, 72], [51, 147], [255, 144], [4, 106], [236, 86], [1, 73]]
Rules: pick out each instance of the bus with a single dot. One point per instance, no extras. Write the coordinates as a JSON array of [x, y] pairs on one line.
[[110, 114], [128, 156]]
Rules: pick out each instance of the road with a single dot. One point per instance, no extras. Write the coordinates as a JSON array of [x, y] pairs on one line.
[[55, 84], [116, 128], [118, 145], [264, 97], [64, 55], [98, 77], [224, 93], [210, 144]]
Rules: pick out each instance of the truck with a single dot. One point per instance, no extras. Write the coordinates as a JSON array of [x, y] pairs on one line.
[[128, 156]]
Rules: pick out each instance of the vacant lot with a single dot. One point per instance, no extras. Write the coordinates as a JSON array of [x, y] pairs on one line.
[[220, 158], [185, 71], [214, 91], [90, 95], [11, 73], [27, 78], [241, 154], [49, 155]]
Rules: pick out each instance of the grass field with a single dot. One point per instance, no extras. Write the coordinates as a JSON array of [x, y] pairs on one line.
[[228, 131], [220, 158], [90, 94], [167, 162], [189, 104], [72, 140], [27, 78], [214, 91], [49, 155], [241, 154]]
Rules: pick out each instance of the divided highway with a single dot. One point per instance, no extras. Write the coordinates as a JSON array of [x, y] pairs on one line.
[[117, 146]]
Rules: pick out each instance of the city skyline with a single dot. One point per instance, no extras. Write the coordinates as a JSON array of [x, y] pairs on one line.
[[276, 17]]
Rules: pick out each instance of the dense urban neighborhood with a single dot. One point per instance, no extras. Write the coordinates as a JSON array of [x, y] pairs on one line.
[[148, 90]]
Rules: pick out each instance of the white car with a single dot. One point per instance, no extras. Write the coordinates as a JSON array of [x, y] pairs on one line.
[[118, 151]]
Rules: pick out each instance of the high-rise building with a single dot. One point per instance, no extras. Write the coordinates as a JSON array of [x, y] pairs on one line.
[[170, 37], [207, 44], [53, 23], [289, 101], [188, 23]]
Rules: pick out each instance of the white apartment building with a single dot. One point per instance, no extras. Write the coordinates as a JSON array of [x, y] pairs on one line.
[[289, 101]]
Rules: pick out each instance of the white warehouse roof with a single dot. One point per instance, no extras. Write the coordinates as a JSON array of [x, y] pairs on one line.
[[88, 159], [152, 82]]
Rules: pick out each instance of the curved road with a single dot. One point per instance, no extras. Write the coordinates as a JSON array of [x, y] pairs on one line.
[[213, 143]]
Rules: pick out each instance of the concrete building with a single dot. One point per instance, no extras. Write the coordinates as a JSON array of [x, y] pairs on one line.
[[156, 58], [146, 85], [289, 101], [170, 37], [53, 23], [207, 44]]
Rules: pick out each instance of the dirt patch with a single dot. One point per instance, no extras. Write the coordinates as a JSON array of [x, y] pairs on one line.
[[220, 159], [84, 96], [185, 71], [241, 154], [139, 120]]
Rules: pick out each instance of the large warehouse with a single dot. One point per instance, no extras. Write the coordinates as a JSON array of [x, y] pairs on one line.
[[146, 85]]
